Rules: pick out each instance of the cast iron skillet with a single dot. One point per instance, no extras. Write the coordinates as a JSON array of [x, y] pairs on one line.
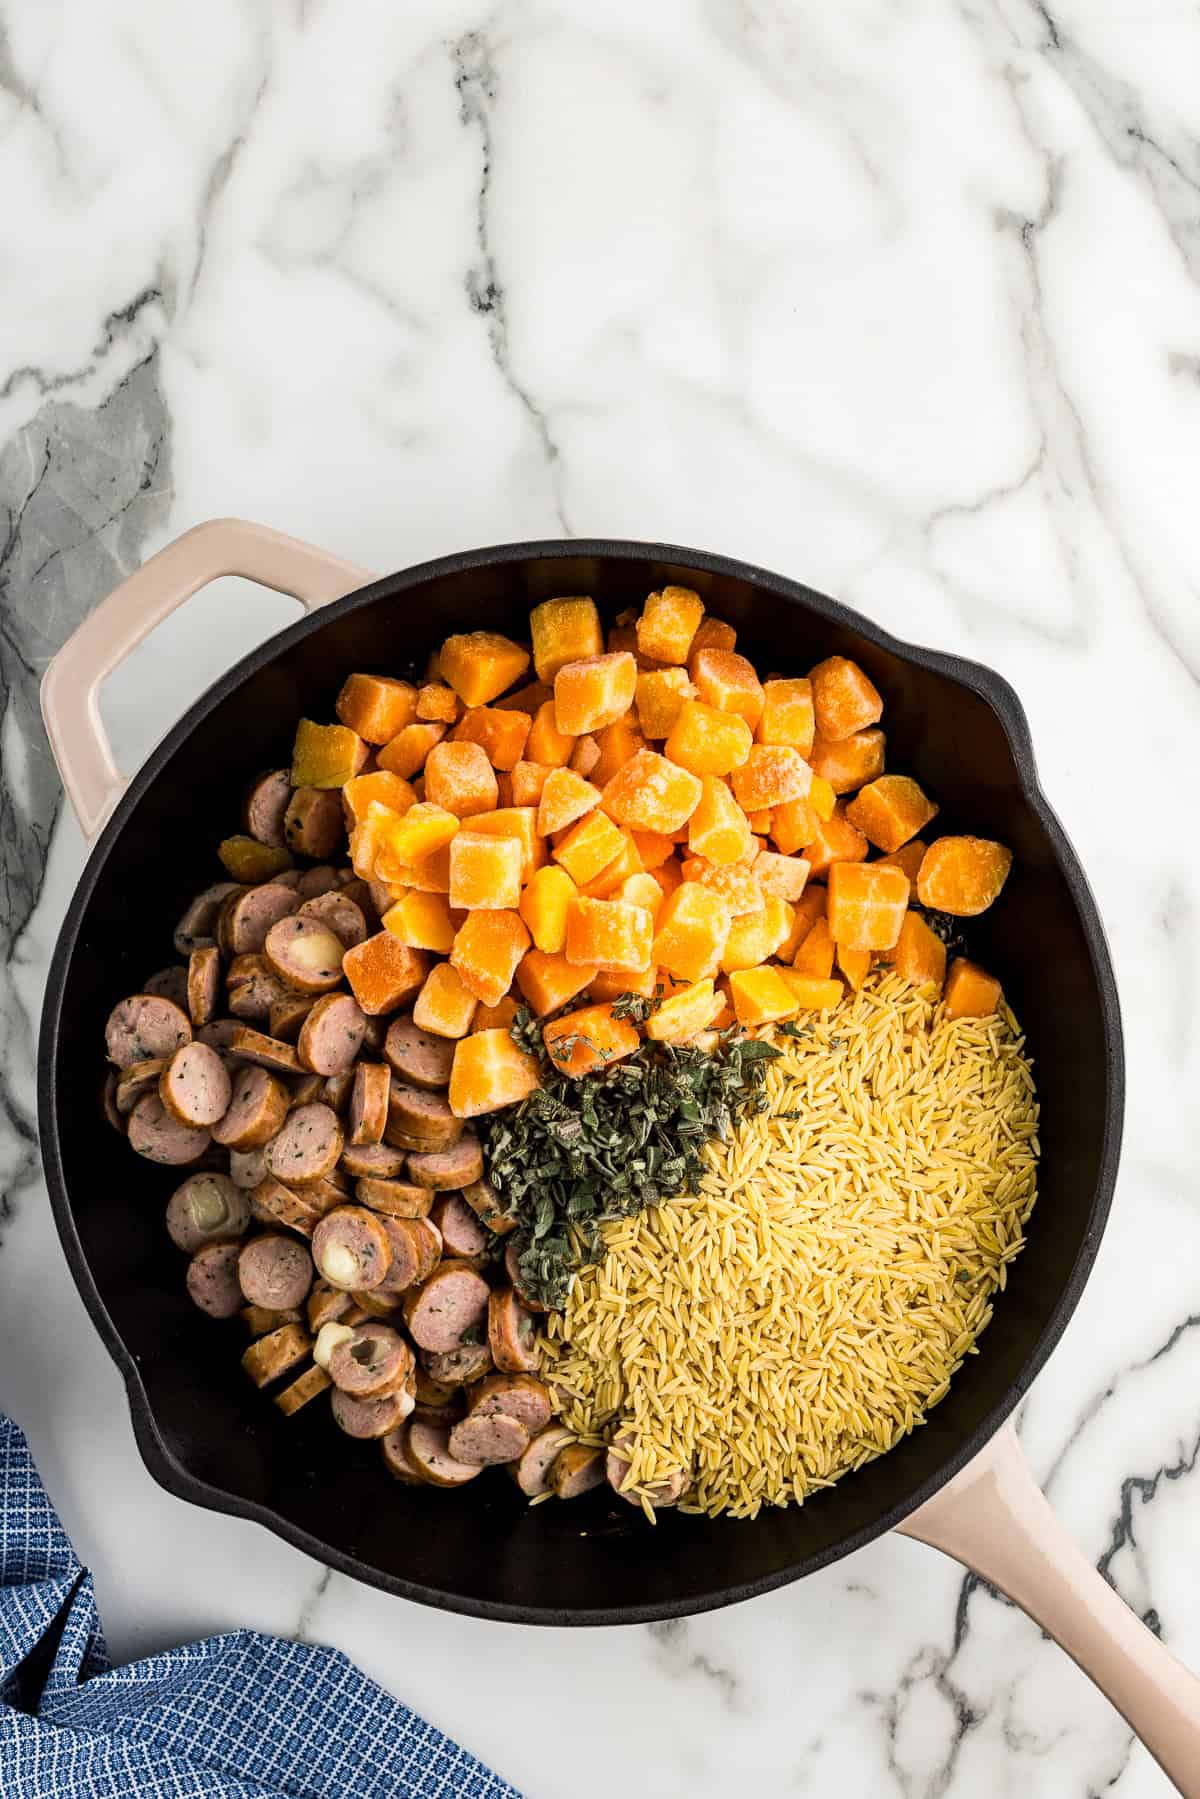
[[209, 1437]]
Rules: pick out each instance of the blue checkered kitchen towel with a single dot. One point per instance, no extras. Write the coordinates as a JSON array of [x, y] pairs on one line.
[[242, 1716]]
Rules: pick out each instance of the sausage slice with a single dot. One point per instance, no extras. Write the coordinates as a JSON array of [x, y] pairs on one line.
[[267, 799], [272, 1203], [253, 989], [341, 913], [206, 1208], [169, 983], [368, 1101], [449, 1309], [373, 1361], [372, 1161], [195, 1086], [429, 1452], [462, 1233], [420, 1120], [367, 1418], [351, 1249], [306, 1089], [577, 1469], [275, 1271], [143, 1027], [135, 1082], [326, 1305], [308, 1146], [108, 1100], [247, 1167], [517, 1396], [458, 1367], [397, 1459], [317, 880], [160, 1138], [313, 824], [212, 1280], [257, 1108], [616, 1469], [511, 1334], [395, 1199], [246, 917], [265, 1052], [275, 1353], [488, 1440], [331, 1036], [487, 1206], [532, 1470], [305, 954], [314, 1380], [202, 985], [447, 1169], [197, 928], [287, 1014], [418, 1056]]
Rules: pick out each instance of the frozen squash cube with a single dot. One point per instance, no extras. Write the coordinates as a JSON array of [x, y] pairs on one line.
[[971, 992], [668, 874], [783, 876], [424, 828], [528, 782], [734, 881], [815, 954], [460, 779], [962, 875], [609, 935], [614, 874], [588, 847], [908, 858], [641, 890], [854, 965], [366, 839], [589, 1040], [787, 714], [867, 904], [919, 955], [480, 665], [585, 756], [890, 811], [805, 913], [654, 847], [812, 995], [422, 920], [383, 973], [711, 634], [444, 1006], [835, 840], [618, 743], [756, 935], [566, 797], [326, 755], [406, 752], [728, 681], [708, 741], [375, 707], [504, 789], [760, 996], [717, 829], [431, 873], [772, 775], [668, 624], [641, 985], [485, 872], [564, 631], [822, 798], [844, 699], [546, 743], [660, 695], [500, 1017], [436, 701], [593, 693], [692, 930], [543, 907], [246, 859], [548, 981], [519, 822], [651, 794], [489, 1072], [501, 734], [847, 762], [487, 949], [684, 1012], [380, 787]]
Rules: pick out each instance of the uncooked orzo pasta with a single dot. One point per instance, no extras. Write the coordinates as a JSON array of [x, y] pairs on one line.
[[805, 1309]]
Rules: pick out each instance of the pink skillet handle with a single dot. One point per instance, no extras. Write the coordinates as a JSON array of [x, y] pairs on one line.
[[71, 684], [994, 1519]]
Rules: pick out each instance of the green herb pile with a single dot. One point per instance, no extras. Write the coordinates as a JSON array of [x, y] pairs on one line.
[[578, 1152]]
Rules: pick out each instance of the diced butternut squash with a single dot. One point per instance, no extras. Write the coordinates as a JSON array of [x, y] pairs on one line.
[[971, 992], [326, 755], [844, 699], [544, 905], [816, 952], [707, 741], [589, 1040], [489, 1072], [566, 797], [380, 786], [444, 1006], [668, 624], [422, 920], [643, 983], [528, 782], [514, 821], [867, 904], [685, 1012], [589, 847], [383, 973], [500, 733], [546, 743], [564, 631], [485, 872], [692, 930], [548, 982], [585, 756], [660, 695], [847, 762], [614, 874], [728, 681], [460, 779], [593, 693], [641, 889], [654, 847], [431, 873], [756, 935], [618, 743], [246, 859], [854, 965], [812, 995], [836, 840], [734, 881], [366, 839], [500, 1017], [405, 753], [668, 874], [480, 665], [651, 794], [375, 706], [784, 877], [908, 859], [822, 798], [608, 935], [436, 701], [725, 1017], [794, 826], [760, 996], [717, 829], [773, 774], [424, 828], [805, 913], [711, 634], [787, 714], [919, 954], [891, 810], [487, 949], [962, 875], [530, 698]]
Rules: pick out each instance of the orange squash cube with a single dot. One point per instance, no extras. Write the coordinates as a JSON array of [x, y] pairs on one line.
[[734, 881], [546, 743], [380, 788], [727, 681], [528, 783], [527, 699], [544, 905], [707, 741], [847, 762], [660, 695], [654, 848], [822, 798], [971, 992], [366, 839], [424, 828], [500, 733], [514, 821], [692, 931], [460, 779], [608, 935], [684, 1013], [816, 952], [760, 996], [643, 983], [245, 859], [588, 847], [593, 693], [326, 755], [907, 859], [375, 706], [772, 775], [564, 631], [405, 753], [651, 794], [480, 665], [794, 826], [490, 1072], [805, 913], [618, 743], [867, 904], [812, 995], [891, 810], [962, 875], [486, 951], [383, 972], [844, 700], [565, 798], [444, 1006], [485, 872], [854, 965], [431, 873], [548, 982], [437, 701], [500, 1017], [836, 840], [643, 890], [756, 935], [783, 877], [422, 920], [919, 954], [589, 1040], [787, 714], [668, 874], [504, 788], [614, 874], [585, 756], [717, 829], [668, 624], [711, 634]]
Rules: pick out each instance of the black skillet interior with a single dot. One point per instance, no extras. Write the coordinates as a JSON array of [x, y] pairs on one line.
[[208, 1436]]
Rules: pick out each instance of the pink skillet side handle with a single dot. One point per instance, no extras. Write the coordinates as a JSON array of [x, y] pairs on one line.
[[71, 684]]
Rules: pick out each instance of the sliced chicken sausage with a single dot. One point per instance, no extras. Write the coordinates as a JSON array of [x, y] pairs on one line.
[[616, 1469], [449, 1309], [341, 913], [532, 1470], [462, 1233], [143, 1027], [488, 1439], [272, 1203], [314, 1380], [396, 1199], [246, 917], [429, 1451], [458, 1367], [577, 1469], [202, 984], [265, 1052], [313, 824], [160, 1138], [206, 1208], [275, 1271], [488, 1207], [373, 1161], [195, 1087], [351, 1249], [418, 1056], [420, 1120], [169, 983], [257, 1109], [276, 1353], [397, 1459], [197, 928], [445, 1170], [287, 1015], [367, 1418], [253, 989], [135, 1082], [305, 954], [212, 1280], [511, 1334], [331, 1036], [373, 1361], [368, 1101], [267, 800], [517, 1396], [308, 1146]]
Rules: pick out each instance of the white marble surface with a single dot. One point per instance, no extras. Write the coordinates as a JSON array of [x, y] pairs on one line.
[[898, 296]]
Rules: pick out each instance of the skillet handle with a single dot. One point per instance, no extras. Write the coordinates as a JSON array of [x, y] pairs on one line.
[[71, 684], [993, 1518]]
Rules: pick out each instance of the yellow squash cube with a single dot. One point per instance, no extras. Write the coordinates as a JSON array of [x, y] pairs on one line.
[[728, 681], [486, 951], [812, 995], [376, 706], [588, 847], [479, 665], [685, 1012], [692, 930], [660, 696], [618, 742], [609, 935], [564, 631], [326, 755], [760, 996], [614, 874], [593, 693], [546, 743], [422, 920], [381, 787], [405, 753], [734, 881], [787, 714], [707, 741], [444, 1005], [773, 774], [651, 794], [756, 935], [489, 1071], [485, 872], [566, 797], [544, 906], [717, 829], [668, 624], [587, 1041], [548, 981], [641, 890], [422, 829]]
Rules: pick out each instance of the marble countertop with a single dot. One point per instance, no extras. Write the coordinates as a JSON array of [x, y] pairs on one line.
[[898, 297]]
